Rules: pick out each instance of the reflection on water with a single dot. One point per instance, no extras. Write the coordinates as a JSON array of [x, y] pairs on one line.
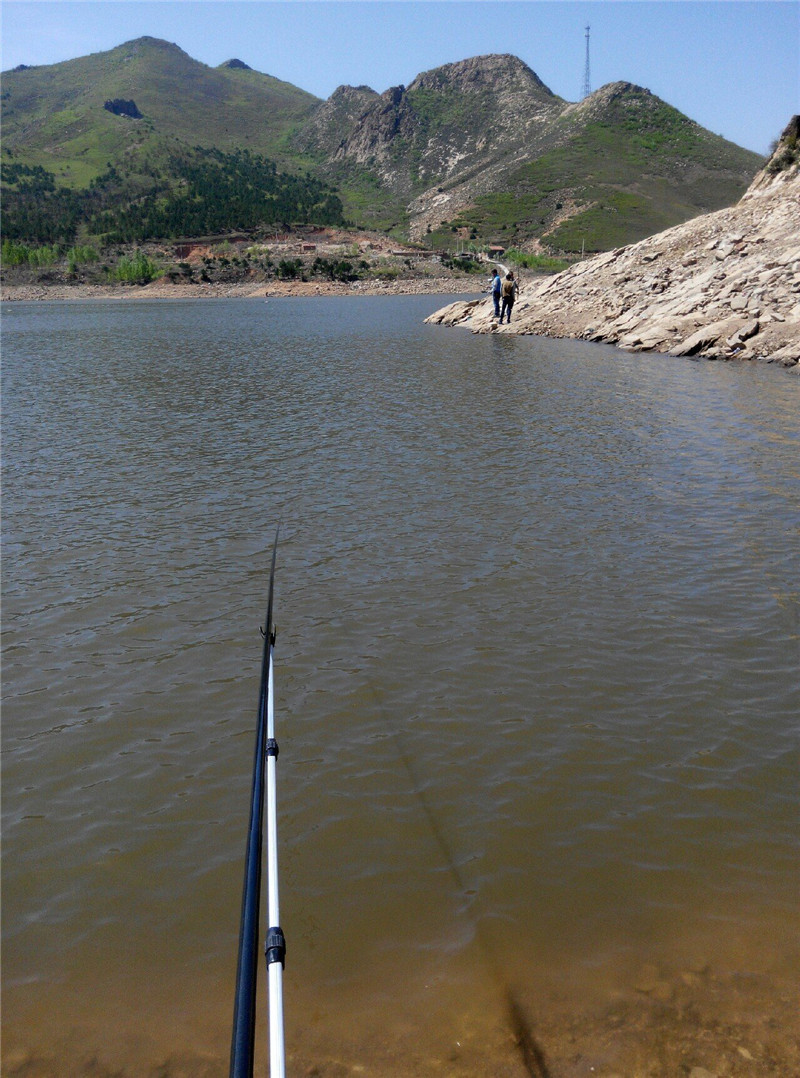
[[537, 688]]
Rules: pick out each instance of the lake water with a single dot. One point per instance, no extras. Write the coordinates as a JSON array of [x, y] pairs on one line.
[[537, 692]]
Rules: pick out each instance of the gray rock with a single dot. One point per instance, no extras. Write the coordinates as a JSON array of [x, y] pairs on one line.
[[704, 337], [745, 332]]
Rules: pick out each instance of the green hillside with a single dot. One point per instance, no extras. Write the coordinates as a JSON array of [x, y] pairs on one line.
[[621, 168], [188, 192], [55, 117], [142, 142]]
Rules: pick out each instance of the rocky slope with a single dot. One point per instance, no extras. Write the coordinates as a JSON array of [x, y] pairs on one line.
[[451, 118], [323, 133], [724, 285]]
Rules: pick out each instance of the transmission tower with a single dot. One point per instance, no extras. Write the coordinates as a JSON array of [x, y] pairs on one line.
[[587, 84]]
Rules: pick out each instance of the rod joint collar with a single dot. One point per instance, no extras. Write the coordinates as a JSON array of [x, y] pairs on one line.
[[275, 948]]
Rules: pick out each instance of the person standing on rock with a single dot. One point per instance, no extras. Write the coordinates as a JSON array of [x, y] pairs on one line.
[[510, 289], [496, 288]]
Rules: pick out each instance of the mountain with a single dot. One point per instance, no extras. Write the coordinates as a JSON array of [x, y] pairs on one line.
[[483, 149], [55, 116], [450, 121], [143, 142], [393, 158], [476, 150], [723, 285], [321, 135]]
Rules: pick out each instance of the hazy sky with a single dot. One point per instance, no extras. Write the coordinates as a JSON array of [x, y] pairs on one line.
[[731, 65]]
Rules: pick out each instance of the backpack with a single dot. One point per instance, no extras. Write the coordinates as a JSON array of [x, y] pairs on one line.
[[508, 289]]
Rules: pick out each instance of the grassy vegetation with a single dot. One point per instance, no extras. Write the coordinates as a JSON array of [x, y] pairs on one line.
[[447, 109], [539, 263], [616, 219], [70, 133], [366, 201], [611, 182]]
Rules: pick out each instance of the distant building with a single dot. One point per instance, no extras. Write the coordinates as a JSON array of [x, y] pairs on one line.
[[496, 249]]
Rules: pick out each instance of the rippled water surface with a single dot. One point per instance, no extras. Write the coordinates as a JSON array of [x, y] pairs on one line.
[[537, 687]]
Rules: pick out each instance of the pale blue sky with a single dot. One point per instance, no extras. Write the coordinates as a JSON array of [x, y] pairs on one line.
[[732, 66]]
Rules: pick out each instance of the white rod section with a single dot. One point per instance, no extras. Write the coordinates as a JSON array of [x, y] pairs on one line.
[[277, 1061]]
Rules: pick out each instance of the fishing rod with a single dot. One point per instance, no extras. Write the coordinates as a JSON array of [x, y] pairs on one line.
[[244, 1011]]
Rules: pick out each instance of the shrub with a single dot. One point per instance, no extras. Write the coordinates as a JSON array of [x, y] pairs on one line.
[[289, 268], [17, 254], [789, 155], [14, 254], [466, 265], [76, 256], [336, 269], [138, 269], [82, 254]]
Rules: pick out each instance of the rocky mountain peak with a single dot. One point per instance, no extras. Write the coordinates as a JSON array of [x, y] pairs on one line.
[[332, 119], [451, 118], [394, 95], [348, 93], [495, 72], [610, 95], [613, 90]]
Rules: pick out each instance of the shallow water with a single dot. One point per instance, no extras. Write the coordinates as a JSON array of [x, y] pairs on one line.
[[537, 684]]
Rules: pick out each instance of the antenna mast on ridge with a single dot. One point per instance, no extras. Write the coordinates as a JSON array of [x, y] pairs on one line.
[[587, 85]]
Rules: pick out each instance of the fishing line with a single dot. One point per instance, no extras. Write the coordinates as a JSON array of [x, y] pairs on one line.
[[530, 1050]]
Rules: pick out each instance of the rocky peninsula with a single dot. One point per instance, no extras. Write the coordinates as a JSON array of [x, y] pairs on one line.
[[725, 285]]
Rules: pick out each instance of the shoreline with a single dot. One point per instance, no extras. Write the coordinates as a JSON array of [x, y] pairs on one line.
[[696, 1020], [722, 286], [30, 293]]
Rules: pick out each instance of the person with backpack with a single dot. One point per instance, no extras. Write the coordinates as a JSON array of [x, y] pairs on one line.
[[496, 287], [509, 294]]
